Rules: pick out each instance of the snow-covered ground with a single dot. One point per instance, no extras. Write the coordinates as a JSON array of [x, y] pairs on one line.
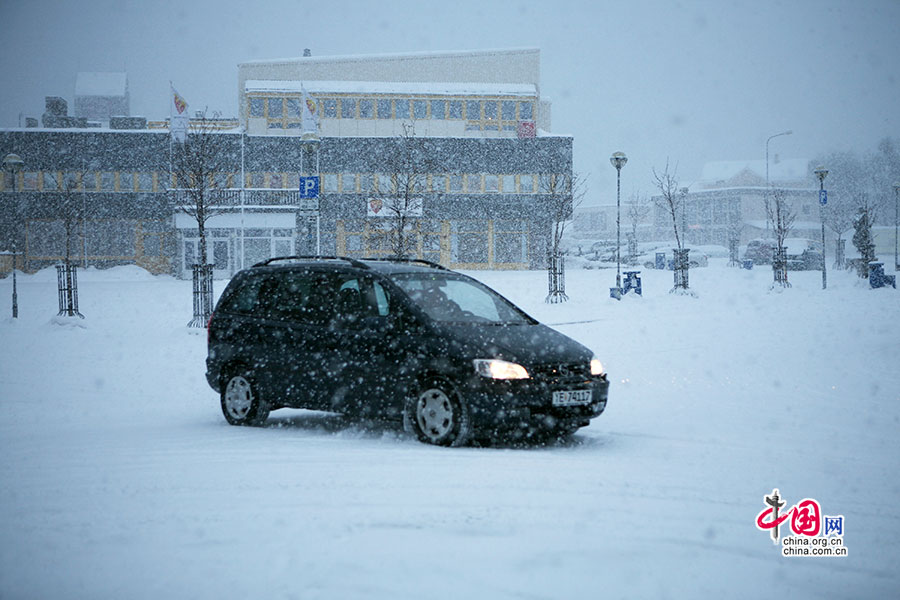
[[120, 478]]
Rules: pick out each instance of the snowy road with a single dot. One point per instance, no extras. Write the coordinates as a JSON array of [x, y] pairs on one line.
[[120, 478]]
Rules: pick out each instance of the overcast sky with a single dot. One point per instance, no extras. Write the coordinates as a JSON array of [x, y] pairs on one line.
[[689, 81]]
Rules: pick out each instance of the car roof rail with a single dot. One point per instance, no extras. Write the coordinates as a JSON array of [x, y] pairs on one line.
[[418, 261], [353, 262]]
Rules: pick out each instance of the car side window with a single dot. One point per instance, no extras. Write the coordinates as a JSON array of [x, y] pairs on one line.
[[244, 299], [360, 299], [295, 297]]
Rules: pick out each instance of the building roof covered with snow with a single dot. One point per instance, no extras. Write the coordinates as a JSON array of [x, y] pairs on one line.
[[752, 173]]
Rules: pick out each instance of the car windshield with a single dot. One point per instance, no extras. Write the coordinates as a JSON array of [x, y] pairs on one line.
[[454, 299]]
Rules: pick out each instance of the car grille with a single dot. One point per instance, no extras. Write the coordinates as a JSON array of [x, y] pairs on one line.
[[562, 373]]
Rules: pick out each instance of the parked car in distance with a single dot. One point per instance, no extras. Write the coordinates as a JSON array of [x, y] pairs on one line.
[[801, 253], [397, 340]]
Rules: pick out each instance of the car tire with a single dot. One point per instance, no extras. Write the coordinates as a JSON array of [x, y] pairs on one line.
[[438, 415], [242, 402]]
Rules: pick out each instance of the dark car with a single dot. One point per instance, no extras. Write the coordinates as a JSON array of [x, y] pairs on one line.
[[801, 254], [395, 340]]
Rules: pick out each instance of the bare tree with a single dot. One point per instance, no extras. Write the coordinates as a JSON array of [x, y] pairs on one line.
[[562, 193], [195, 164], [400, 192], [780, 215], [671, 201], [69, 208], [638, 210]]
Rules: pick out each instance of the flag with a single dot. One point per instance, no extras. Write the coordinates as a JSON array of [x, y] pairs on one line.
[[309, 114], [178, 121]]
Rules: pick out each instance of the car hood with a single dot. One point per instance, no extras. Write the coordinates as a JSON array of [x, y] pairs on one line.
[[526, 344]]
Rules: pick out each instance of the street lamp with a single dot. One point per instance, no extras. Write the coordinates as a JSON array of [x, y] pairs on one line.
[[618, 160], [12, 164], [821, 172], [788, 132], [896, 223]]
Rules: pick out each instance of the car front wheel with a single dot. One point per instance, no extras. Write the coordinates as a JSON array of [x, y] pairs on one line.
[[242, 403], [438, 415]]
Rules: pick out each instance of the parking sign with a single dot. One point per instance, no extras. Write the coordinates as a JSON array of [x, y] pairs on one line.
[[309, 187], [823, 197]]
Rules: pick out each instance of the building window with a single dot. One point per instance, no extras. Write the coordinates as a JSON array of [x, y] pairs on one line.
[[439, 183], [420, 109], [526, 184], [385, 185], [456, 184], [455, 109], [438, 109], [256, 180], [275, 180], [469, 241], [366, 108], [526, 111], [473, 110], [256, 107], [509, 184], [348, 108], [51, 183], [30, 181], [276, 107], [145, 182], [508, 110], [348, 183], [384, 109], [473, 183], [293, 108], [71, 180], [491, 184], [329, 108], [330, 182], [108, 181], [401, 109], [366, 183]]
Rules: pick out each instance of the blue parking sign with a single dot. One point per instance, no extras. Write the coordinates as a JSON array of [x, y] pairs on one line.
[[309, 187], [823, 197]]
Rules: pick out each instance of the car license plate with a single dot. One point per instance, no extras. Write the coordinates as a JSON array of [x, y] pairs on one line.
[[572, 397]]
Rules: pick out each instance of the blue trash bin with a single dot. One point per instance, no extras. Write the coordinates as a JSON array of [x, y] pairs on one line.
[[633, 282], [747, 264], [876, 274]]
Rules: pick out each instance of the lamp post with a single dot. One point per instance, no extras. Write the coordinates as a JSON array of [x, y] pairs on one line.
[[12, 164], [788, 132], [822, 173], [618, 160], [896, 224]]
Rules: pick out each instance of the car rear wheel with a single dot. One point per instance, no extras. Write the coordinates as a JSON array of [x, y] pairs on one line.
[[242, 404], [438, 415]]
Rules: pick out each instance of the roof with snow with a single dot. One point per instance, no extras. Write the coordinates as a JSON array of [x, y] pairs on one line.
[[402, 55], [405, 88], [101, 84], [795, 169]]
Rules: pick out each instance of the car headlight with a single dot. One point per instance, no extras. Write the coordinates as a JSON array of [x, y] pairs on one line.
[[499, 369], [596, 366]]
